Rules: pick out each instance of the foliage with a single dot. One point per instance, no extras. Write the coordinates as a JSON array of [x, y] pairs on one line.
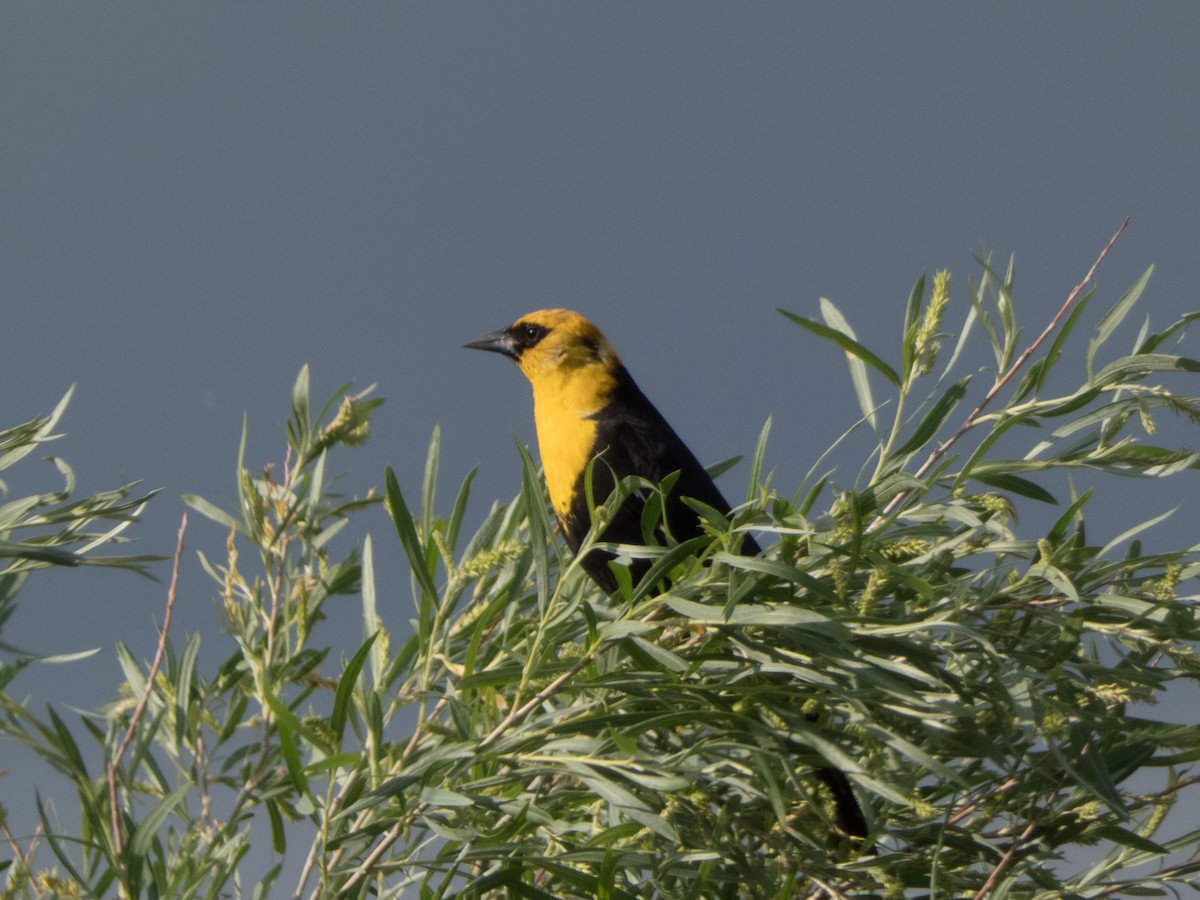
[[986, 689], [50, 528]]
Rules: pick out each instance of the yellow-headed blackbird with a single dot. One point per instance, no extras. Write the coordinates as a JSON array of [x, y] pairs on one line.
[[586, 406]]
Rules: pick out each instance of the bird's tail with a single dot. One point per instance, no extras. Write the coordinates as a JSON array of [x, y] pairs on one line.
[[850, 818]]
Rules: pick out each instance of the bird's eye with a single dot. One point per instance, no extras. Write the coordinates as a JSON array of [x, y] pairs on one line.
[[528, 334]]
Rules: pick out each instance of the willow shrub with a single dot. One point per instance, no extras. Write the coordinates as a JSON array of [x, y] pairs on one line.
[[986, 685]]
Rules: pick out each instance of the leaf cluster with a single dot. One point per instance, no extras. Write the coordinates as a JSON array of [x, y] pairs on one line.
[[987, 689], [52, 528]]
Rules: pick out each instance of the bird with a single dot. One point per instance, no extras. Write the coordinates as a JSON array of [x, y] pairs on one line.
[[588, 408]]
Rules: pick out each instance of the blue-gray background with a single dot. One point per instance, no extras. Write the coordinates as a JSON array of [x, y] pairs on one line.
[[196, 199]]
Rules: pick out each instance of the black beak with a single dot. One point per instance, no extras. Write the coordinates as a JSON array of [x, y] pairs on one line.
[[497, 342]]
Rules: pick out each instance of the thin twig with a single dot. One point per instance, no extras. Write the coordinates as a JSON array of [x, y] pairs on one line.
[[309, 862], [321, 839], [824, 891], [1005, 860], [549, 690], [511, 719], [972, 420], [23, 861], [365, 867], [543, 695], [973, 805], [1030, 827], [1165, 792], [114, 800], [420, 729]]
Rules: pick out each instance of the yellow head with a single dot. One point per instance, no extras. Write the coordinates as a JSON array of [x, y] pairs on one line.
[[573, 369], [560, 352]]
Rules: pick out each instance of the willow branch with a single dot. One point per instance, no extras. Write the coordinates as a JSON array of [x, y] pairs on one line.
[[140, 709], [973, 419]]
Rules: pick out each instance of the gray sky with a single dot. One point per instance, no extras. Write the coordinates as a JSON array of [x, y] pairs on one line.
[[196, 199]]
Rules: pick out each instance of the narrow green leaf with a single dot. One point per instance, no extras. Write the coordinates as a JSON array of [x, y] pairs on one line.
[[934, 419], [964, 334], [1103, 415], [789, 574], [460, 510], [538, 521], [652, 512], [500, 675], [1014, 484], [1034, 379], [429, 482], [370, 613], [61, 658], [262, 887], [345, 760], [879, 494], [1130, 533], [1153, 341], [847, 343], [278, 835], [53, 555], [406, 528], [343, 698], [805, 504], [1076, 401], [66, 471], [1126, 838], [1136, 367], [1130, 607], [764, 768], [1055, 576], [905, 747], [1059, 530], [49, 832], [438, 796], [19, 442], [1113, 318], [606, 878], [509, 878], [147, 829], [765, 614], [980, 452], [1007, 316], [623, 628], [1150, 460], [1091, 768], [287, 726], [912, 321], [401, 662], [183, 688], [483, 628], [838, 757], [131, 670], [717, 469], [140, 756], [301, 414], [653, 657], [663, 562], [213, 512], [630, 806], [756, 461], [977, 297]]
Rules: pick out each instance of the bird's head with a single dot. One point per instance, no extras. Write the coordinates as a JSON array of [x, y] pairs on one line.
[[553, 347]]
